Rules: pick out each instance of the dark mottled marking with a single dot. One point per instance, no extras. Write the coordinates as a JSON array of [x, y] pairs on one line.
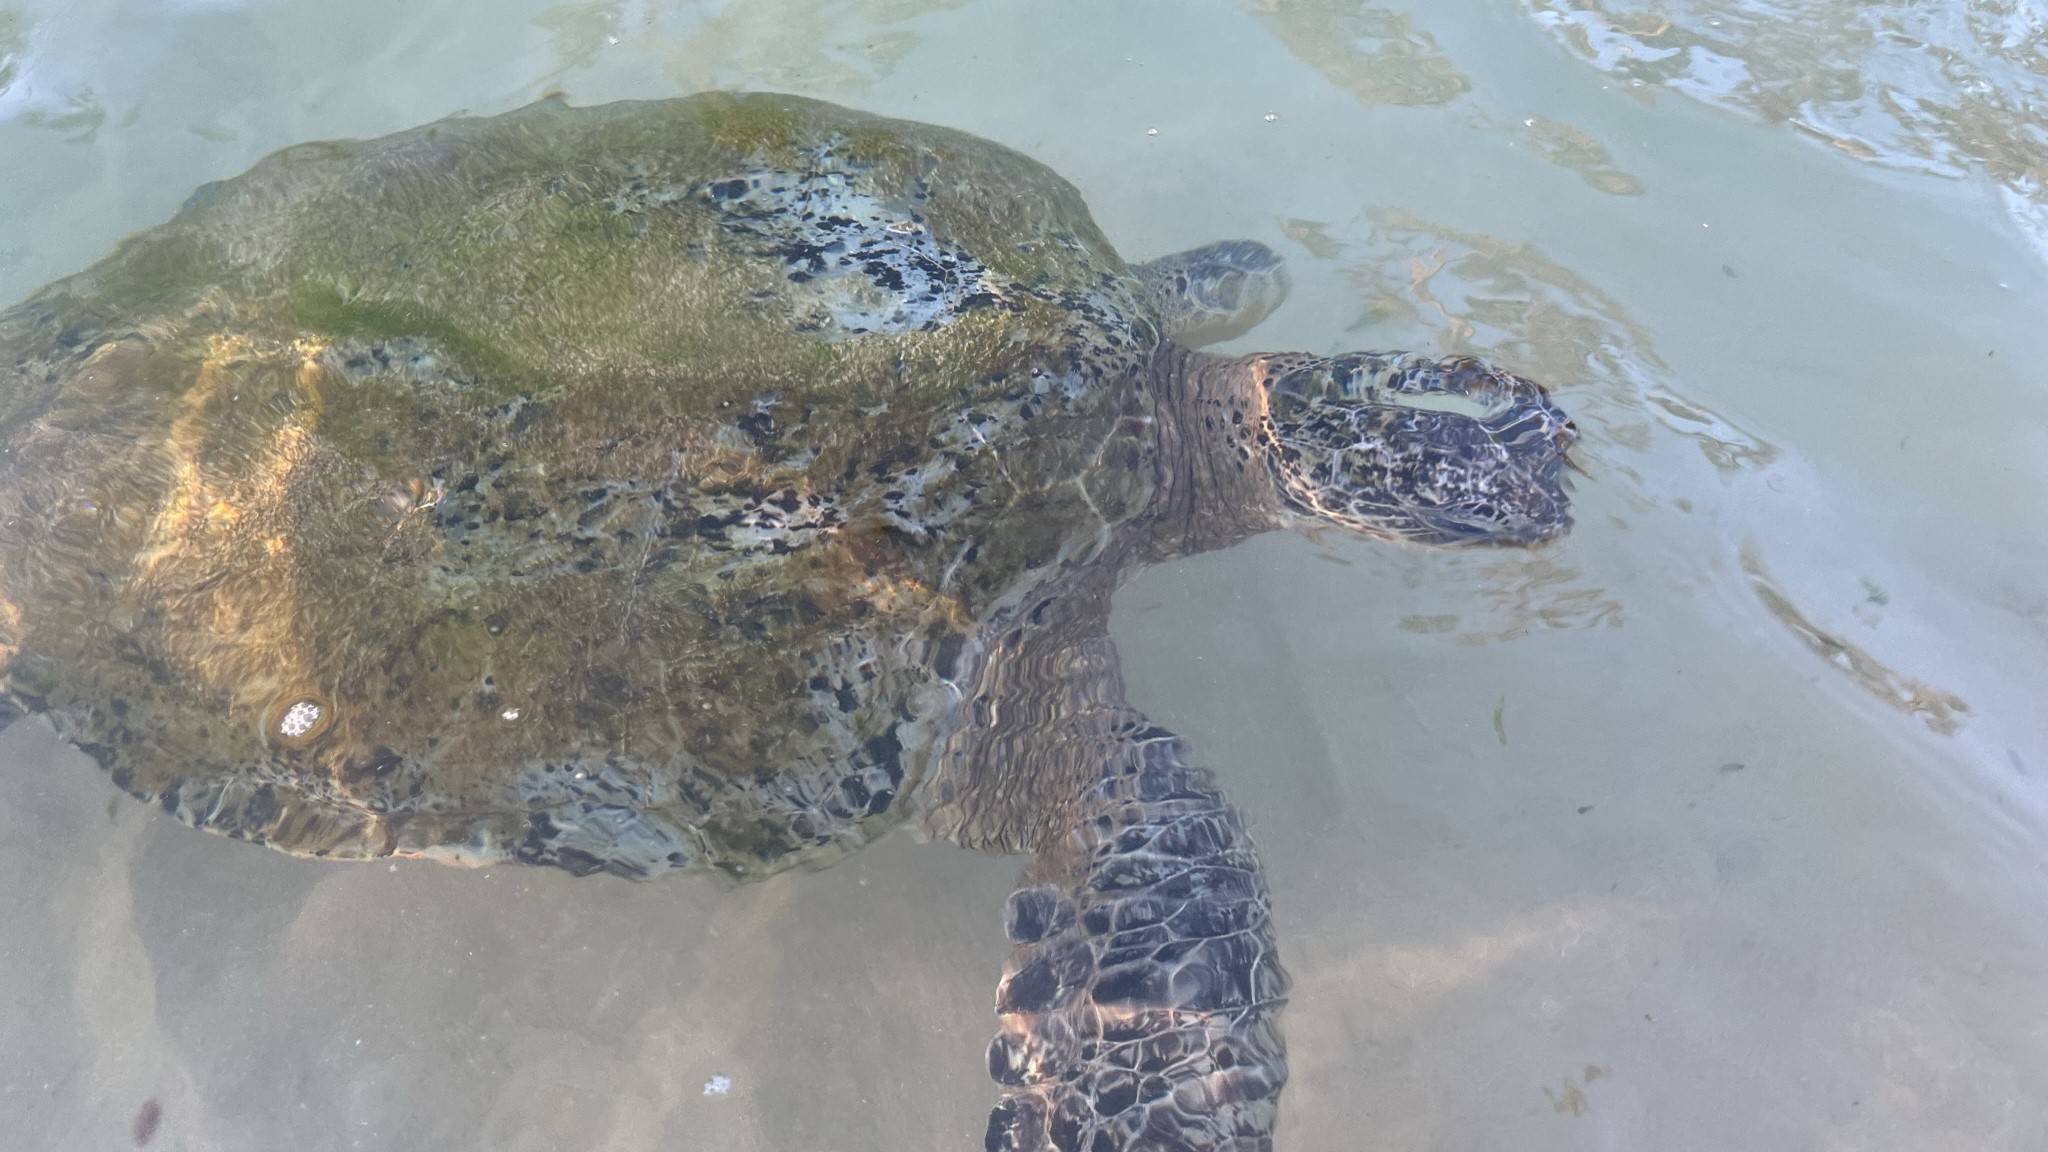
[[1032, 913], [148, 1119], [1349, 442], [866, 264]]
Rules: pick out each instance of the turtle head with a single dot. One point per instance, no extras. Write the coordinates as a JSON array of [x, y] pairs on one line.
[[1405, 447]]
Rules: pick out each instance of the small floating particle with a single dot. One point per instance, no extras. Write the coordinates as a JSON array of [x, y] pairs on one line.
[[1585, 808], [509, 714], [1732, 767], [147, 1120], [718, 1086], [1270, 117], [1573, 1100], [1151, 131]]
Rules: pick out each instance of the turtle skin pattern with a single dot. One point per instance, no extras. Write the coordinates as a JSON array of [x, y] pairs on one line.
[[1140, 1007]]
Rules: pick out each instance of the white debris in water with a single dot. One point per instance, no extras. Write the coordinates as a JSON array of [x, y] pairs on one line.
[[1151, 131], [1270, 117], [509, 714], [718, 1086], [299, 719]]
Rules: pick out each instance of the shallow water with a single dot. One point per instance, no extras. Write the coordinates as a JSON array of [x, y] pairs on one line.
[[1718, 825]]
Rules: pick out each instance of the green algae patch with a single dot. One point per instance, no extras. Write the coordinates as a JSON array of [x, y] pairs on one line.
[[324, 312], [756, 125], [896, 163], [158, 272]]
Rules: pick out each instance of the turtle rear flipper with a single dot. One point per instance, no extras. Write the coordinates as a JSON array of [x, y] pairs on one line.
[[1216, 292], [1140, 1005]]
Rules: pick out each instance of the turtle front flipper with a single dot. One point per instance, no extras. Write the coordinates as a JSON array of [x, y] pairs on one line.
[[1214, 293], [1140, 1004]]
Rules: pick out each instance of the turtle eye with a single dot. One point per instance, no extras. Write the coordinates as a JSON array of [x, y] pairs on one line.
[[297, 719]]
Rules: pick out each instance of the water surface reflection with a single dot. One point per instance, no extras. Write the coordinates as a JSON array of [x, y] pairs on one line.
[[1952, 89]]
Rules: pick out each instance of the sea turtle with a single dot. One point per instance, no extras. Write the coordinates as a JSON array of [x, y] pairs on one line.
[[712, 483]]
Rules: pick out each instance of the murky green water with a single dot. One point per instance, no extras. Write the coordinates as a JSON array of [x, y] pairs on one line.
[[1718, 825]]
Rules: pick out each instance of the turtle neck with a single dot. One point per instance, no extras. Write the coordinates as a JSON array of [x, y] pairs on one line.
[[1213, 487]]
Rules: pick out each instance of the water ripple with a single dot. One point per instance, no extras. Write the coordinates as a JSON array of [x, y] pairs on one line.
[[1949, 89]]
